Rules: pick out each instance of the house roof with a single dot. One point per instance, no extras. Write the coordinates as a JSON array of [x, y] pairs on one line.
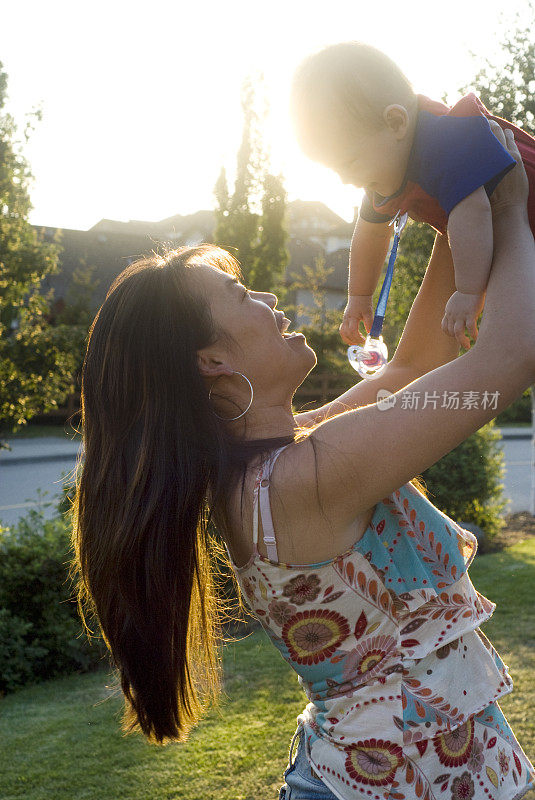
[[177, 224], [110, 245]]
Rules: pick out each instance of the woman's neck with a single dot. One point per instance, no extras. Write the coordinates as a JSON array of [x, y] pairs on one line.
[[268, 423]]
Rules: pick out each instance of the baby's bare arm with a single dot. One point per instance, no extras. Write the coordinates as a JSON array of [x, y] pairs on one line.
[[369, 247], [471, 242]]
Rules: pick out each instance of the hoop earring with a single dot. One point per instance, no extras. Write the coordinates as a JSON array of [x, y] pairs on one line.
[[231, 419]]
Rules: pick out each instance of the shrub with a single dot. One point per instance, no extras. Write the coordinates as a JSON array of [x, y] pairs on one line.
[[518, 411], [16, 653], [466, 484], [40, 630]]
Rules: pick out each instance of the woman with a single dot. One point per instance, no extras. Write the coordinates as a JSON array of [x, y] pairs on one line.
[[358, 579]]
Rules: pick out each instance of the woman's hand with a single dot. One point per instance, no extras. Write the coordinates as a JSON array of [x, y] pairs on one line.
[[513, 189]]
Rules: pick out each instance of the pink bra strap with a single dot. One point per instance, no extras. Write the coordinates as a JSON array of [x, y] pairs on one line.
[[262, 489], [261, 493]]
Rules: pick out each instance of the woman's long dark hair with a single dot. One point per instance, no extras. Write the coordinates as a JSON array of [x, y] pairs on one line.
[[157, 471]]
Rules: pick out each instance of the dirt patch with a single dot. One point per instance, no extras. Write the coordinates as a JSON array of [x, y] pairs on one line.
[[518, 526]]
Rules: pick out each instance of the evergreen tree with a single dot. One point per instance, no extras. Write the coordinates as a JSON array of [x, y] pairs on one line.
[[237, 223], [36, 360], [250, 221], [272, 256], [222, 211]]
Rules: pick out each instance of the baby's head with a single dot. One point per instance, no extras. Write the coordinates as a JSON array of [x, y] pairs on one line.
[[354, 111]]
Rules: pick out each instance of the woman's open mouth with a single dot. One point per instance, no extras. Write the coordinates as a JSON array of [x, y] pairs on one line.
[[284, 327]]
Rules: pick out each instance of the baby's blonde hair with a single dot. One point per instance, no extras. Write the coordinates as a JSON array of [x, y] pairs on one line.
[[352, 79]]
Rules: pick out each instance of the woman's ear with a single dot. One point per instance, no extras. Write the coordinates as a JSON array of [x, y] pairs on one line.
[[397, 118], [210, 367]]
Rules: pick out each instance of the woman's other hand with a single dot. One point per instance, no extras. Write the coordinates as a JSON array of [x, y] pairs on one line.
[[513, 189]]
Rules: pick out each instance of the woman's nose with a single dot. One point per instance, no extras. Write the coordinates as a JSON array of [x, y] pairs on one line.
[[271, 299]]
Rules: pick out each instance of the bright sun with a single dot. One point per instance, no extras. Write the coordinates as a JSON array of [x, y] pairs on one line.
[[141, 106]]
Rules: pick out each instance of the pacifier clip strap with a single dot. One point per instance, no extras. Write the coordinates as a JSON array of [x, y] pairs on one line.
[[399, 222]]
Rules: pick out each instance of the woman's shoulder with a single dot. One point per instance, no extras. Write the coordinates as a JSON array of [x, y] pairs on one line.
[[303, 532]]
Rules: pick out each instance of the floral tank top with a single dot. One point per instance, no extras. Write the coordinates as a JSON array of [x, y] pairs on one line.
[[401, 683]]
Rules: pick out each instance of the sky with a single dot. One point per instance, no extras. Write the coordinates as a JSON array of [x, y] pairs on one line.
[[141, 102]]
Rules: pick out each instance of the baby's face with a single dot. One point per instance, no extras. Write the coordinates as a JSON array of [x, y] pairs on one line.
[[373, 159]]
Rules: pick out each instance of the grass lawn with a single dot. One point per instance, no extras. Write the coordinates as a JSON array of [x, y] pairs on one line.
[[34, 431], [61, 739]]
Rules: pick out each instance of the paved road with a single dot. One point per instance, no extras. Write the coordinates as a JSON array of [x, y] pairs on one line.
[[46, 463], [517, 480], [33, 465]]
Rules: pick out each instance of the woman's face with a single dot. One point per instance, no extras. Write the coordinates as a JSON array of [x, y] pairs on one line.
[[275, 364]]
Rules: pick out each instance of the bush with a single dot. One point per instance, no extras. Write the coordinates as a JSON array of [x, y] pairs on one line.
[[41, 634], [518, 411], [466, 484], [16, 654]]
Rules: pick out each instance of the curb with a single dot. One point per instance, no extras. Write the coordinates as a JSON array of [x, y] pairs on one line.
[[33, 459]]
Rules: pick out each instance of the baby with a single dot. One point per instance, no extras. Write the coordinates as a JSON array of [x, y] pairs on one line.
[[355, 111]]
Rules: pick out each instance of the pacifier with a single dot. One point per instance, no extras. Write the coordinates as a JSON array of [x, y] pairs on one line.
[[370, 359]]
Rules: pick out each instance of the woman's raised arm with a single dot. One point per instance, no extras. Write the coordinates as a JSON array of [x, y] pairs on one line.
[[364, 455], [422, 346]]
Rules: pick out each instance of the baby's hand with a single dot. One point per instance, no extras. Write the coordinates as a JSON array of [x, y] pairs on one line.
[[462, 311], [359, 307]]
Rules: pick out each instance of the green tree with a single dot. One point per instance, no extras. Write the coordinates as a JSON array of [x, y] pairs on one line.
[[236, 219], [271, 254], [250, 221], [36, 360], [222, 211], [506, 83]]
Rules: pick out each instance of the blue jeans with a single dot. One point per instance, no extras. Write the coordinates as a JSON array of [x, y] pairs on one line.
[[300, 782]]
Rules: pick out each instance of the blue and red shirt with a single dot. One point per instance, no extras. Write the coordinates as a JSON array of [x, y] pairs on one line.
[[454, 152]]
